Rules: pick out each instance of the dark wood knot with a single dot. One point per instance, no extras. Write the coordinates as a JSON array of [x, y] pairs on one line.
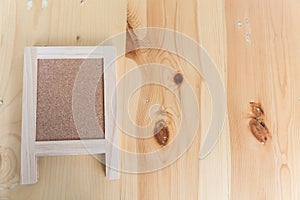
[[178, 78], [161, 132], [257, 123]]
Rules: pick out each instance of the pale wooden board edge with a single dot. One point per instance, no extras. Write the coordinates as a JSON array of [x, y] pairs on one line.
[[110, 104], [28, 159], [69, 147]]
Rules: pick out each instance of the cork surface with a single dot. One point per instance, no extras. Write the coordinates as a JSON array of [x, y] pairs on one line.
[[55, 84]]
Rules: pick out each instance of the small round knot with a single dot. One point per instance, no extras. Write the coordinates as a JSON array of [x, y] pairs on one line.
[[178, 78]]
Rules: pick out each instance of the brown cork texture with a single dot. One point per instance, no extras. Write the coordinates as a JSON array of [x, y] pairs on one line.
[[55, 84]]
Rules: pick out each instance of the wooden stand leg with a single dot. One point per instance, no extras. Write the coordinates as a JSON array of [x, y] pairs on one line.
[[112, 162], [28, 158]]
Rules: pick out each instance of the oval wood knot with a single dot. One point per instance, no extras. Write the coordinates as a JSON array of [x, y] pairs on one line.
[[161, 132], [257, 123]]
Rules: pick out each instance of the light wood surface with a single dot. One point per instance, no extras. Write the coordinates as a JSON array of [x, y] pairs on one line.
[[263, 65], [71, 147], [29, 161], [215, 170], [187, 178], [61, 23], [255, 45]]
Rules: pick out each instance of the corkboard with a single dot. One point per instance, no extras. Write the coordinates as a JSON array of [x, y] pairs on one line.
[[55, 82]]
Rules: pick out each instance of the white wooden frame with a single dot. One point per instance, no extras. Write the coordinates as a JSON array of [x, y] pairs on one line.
[[31, 149]]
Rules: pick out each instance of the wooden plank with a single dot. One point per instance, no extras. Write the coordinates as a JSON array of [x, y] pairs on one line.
[[111, 114], [28, 160], [184, 179], [61, 23], [262, 66], [215, 168], [76, 52], [73, 147], [263, 49], [10, 86]]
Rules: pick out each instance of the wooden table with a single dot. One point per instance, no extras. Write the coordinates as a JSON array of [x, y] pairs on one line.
[[255, 45]]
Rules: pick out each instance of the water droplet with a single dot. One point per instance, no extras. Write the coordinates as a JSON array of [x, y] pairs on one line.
[[29, 4], [247, 20], [248, 37], [239, 24]]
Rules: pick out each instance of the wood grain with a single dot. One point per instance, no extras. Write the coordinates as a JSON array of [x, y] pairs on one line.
[[73, 147], [29, 174], [256, 47], [184, 179], [62, 23], [214, 169], [263, 43]]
